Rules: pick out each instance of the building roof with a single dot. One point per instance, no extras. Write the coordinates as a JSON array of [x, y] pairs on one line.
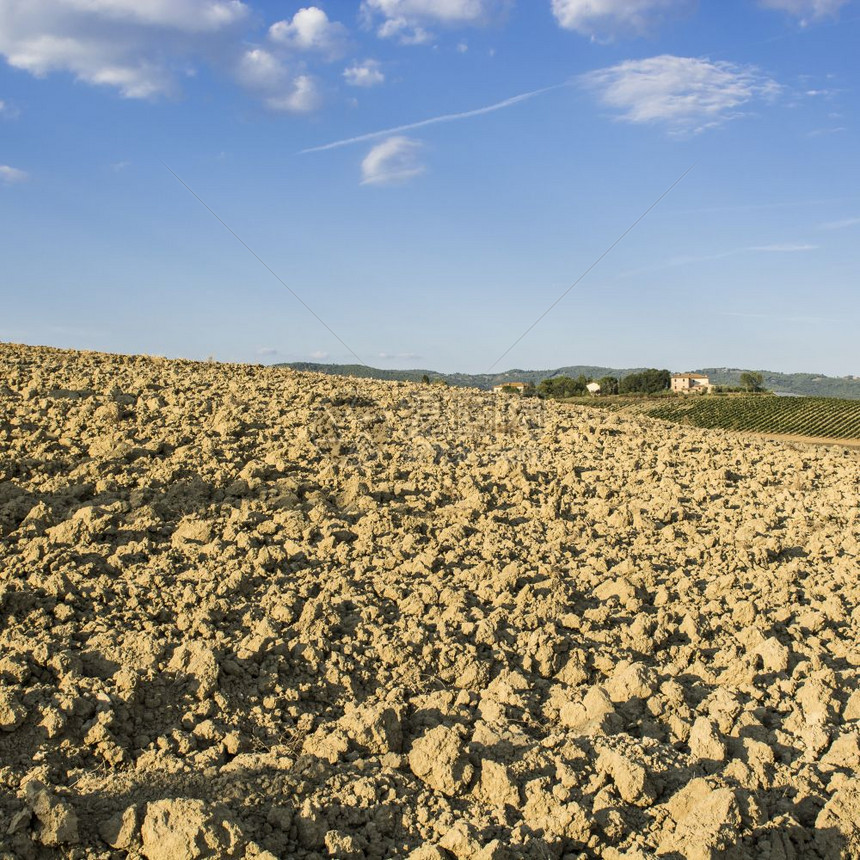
[[689, 376]]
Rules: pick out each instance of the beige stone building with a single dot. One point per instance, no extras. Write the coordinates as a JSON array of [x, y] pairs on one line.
[[687, 383], [519, 386]]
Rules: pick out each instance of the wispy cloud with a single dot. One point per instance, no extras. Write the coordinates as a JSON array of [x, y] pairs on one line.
[[608, 19], [398, 356], [783, 248], [686, 94], [266, 351], [776, 318], [12, 175], [825, 132], [807, 10], [408, 20], [691, 259], [782, 204], [687, 259], [448, 117], [7, 111], [366, 74], [392, 162], [844, 224]]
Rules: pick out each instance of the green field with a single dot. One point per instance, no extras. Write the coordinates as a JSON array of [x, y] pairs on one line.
[[796, 416]]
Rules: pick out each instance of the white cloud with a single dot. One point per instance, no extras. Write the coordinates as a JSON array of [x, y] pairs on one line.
[[261, 69], [807, 10], [133, 46], [190, 15], [606, 19], [407, 20], [684, 93], [366, 74], [318, 355], [844, 224], [302, 96], [7, 111], [404, 32], [398, 356], [442, 11], [11, 175], [391, 162], [267, 351], [310, 30], [270, 79]]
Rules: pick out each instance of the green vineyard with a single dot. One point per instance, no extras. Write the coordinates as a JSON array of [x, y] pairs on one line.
[[825, 417], [795, 416]]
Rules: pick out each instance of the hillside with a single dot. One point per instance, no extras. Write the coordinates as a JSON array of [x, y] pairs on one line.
[[803, 384], [254, 614]]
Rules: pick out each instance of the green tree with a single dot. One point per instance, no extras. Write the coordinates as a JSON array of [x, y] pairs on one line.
[[425, 379], [608, 385], [562, 386], [649, 381], [752, 381]]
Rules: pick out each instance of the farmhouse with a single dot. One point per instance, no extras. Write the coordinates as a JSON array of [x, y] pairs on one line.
[[520, 387], [691, 382]]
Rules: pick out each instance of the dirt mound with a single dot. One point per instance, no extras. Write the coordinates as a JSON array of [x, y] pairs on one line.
[[251, 613]]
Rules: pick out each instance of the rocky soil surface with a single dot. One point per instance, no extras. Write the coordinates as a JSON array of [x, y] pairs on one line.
[[251, 613]]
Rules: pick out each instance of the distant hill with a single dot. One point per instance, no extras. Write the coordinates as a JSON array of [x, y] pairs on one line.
[[462, 380], [802, 384]]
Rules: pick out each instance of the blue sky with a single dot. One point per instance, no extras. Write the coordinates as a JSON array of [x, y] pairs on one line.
[[429, 176]]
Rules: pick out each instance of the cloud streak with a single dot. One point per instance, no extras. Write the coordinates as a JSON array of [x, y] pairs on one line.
[[778, 248], [807, 10], [436, 120], [844, 224], [801, 319], [786, 248]]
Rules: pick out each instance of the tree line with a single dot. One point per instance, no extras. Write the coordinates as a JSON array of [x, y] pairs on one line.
[[650, 381]]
